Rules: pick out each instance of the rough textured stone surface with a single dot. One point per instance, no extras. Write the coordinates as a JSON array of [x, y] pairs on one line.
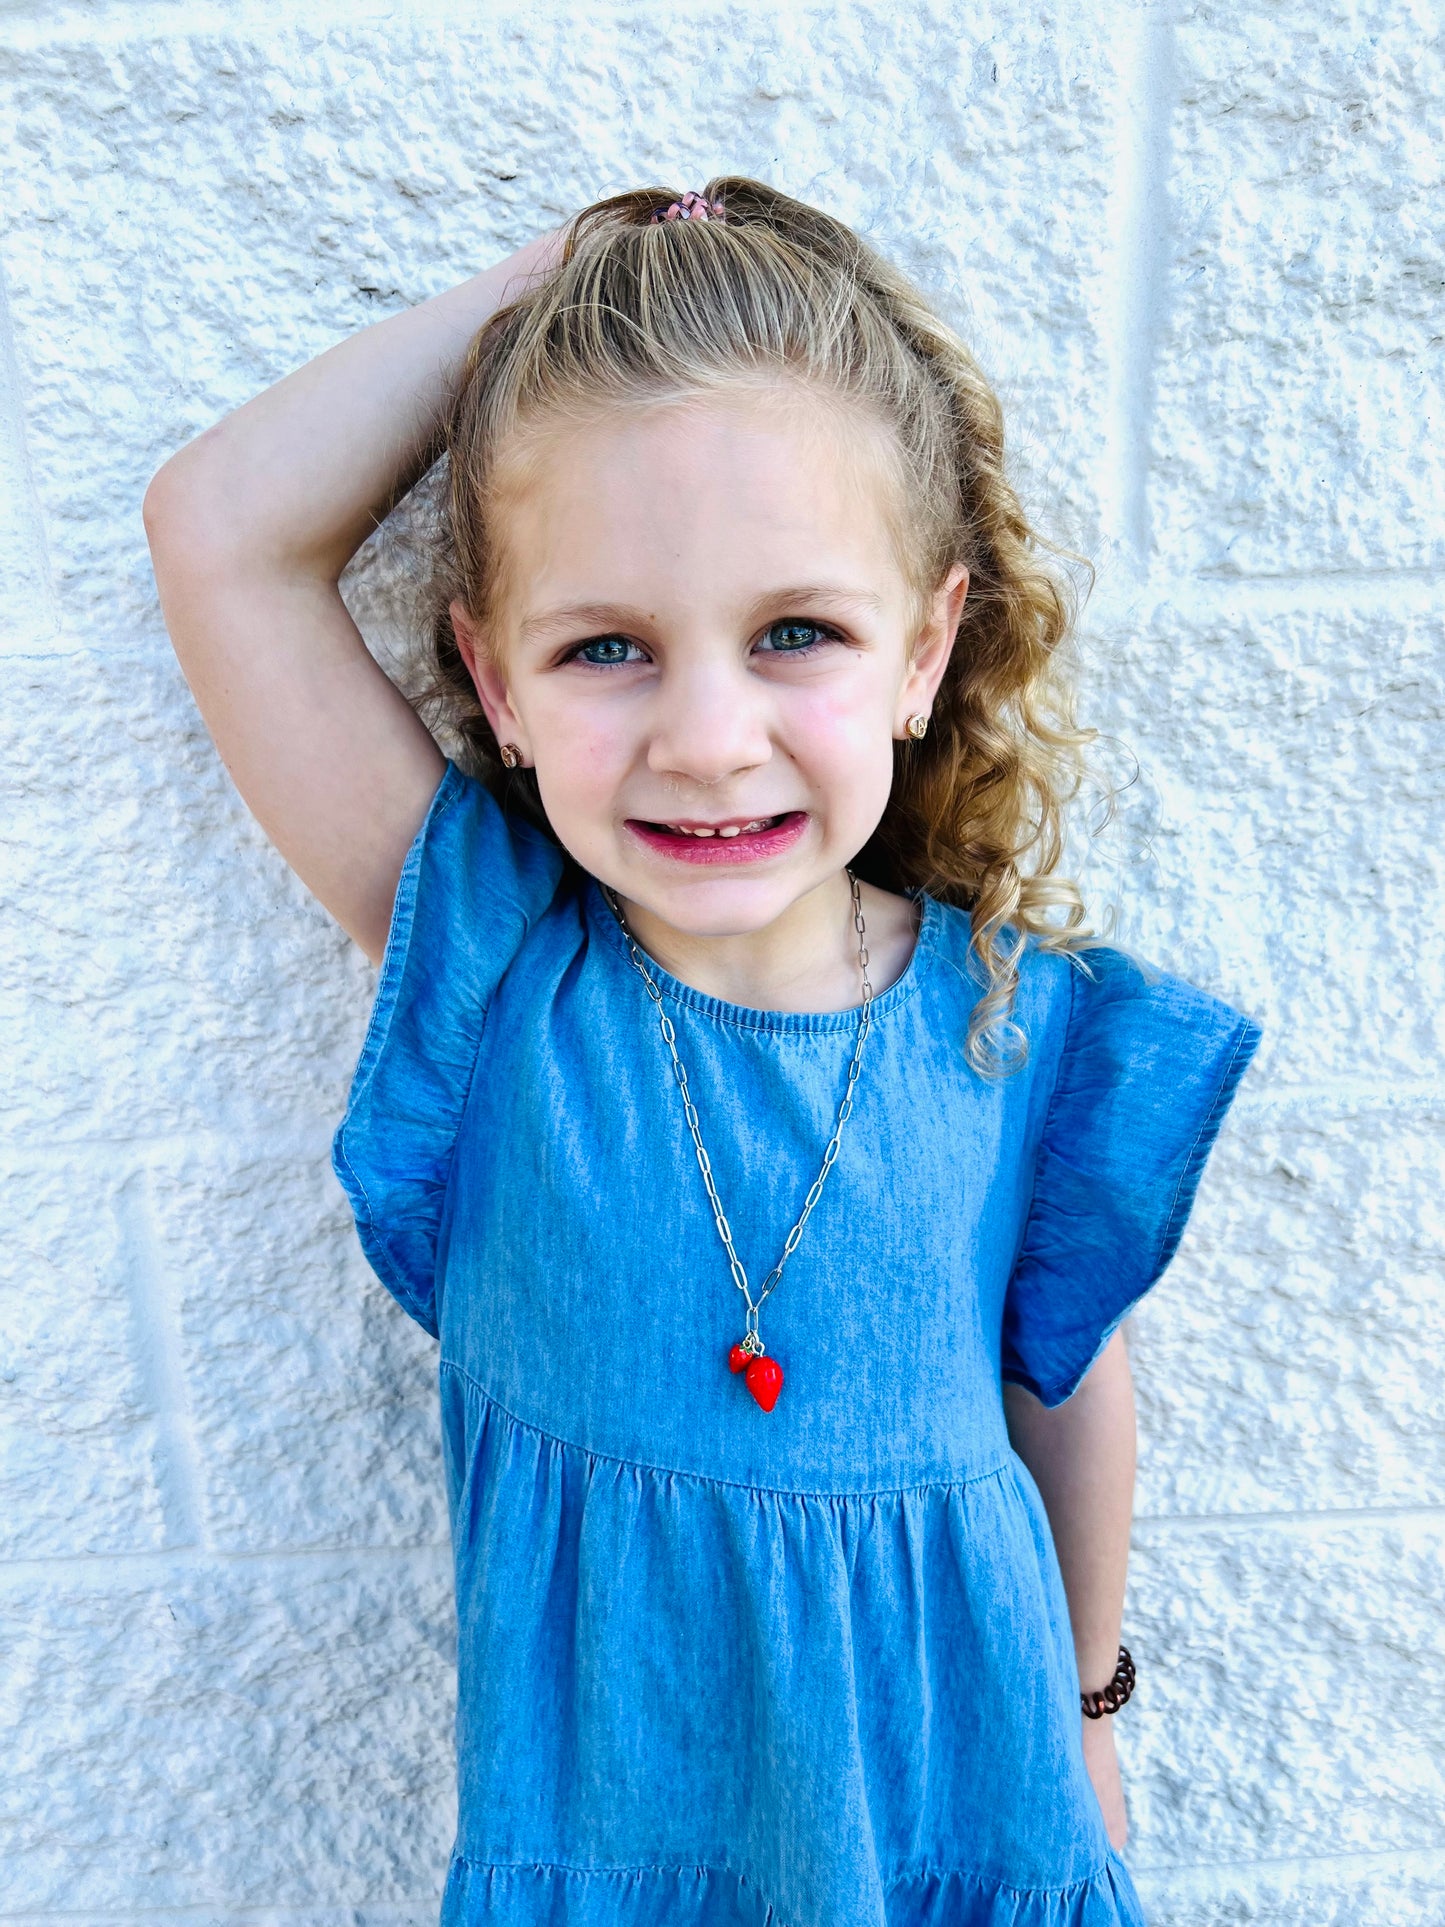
[[1300, 328], [1289, 1360], [1292, 1689], [312, 1407], [164, 972], [242, 199], [269, 1733], [1391, 1890], [1200, 251], [78, 1440], [1305, 905]]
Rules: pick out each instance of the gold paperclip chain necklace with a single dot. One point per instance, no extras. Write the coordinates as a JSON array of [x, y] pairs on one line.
[[764, 1375]]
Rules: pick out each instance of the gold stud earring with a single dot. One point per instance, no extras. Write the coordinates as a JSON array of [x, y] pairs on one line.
[[917, 727], [511, 755]]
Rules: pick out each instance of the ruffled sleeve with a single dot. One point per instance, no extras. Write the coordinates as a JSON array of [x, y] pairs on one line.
[[1147, 1068], [474, 881]]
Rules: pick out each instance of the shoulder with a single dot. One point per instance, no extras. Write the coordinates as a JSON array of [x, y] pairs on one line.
[[1131, 1022]]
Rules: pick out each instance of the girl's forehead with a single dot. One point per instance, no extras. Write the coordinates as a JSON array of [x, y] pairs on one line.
[[716, 489]]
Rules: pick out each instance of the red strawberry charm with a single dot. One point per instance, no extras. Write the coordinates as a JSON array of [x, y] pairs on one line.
[[765, 1380], [738, 1359]]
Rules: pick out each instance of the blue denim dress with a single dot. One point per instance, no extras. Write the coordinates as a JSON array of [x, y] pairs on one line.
[[722, 1667]]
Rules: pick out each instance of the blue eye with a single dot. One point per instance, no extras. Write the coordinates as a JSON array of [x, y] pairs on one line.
[[798, 636], [603, 651]]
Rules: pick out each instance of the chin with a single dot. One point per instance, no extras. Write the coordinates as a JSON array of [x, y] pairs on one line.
[[708, 900], [719, 906]]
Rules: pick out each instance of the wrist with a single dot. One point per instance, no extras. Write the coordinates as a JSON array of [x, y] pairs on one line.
[[1096, 1681], [1106, 1699], [1096, 1663]]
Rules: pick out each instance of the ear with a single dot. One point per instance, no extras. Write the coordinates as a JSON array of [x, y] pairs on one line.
[[487, 680], [932, 649]]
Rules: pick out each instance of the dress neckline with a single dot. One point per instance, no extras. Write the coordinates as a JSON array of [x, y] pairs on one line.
[[746, 1016]]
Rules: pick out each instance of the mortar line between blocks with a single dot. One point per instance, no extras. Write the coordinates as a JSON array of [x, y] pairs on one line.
[[1140, 222], [156, 1320], [1311, 1523], [29, 522], [1338, 1098], [1394, 595], [362, 1914], [54, 23], [98, 1569], [1204, 1878], [161, 1146]]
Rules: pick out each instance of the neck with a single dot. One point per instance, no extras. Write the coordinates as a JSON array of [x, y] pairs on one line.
[[804, 960]]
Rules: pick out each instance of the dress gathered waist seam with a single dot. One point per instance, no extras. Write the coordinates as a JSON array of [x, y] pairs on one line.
[[946, 1480]]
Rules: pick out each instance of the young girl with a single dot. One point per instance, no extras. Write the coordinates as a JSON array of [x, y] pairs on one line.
[[744, 1106]]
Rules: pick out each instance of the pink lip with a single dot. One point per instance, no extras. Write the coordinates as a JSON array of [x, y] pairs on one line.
[[723, 849]]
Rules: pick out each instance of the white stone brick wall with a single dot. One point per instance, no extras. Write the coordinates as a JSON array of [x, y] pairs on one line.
[[1201, 248]]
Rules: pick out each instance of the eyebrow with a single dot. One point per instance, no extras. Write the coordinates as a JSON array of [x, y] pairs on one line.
[[578, 615]]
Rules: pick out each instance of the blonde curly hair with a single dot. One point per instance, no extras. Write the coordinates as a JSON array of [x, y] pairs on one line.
[[641, 311]]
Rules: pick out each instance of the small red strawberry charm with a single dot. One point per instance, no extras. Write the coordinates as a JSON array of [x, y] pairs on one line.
[[738, 1358], [765, 1380]]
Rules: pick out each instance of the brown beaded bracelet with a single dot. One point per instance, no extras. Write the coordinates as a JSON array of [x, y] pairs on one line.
[[1096, 1705]]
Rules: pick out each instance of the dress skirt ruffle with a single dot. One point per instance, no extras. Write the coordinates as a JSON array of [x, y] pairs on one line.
[[545, 1896]]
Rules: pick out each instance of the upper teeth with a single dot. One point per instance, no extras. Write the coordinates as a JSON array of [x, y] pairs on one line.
[[728, 829]]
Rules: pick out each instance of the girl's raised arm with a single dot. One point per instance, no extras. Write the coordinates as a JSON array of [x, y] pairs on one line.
[[250, 527]]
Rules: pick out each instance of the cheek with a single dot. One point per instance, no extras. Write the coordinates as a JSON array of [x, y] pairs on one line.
[[581, 750], [844, 734]]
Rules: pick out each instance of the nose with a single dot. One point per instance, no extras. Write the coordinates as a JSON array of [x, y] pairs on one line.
[[710, 721]]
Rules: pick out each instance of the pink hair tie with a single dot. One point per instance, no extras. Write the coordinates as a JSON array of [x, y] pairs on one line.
[[692, 207]]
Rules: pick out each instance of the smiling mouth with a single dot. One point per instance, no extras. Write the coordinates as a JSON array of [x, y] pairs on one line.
[[738, 839], [733, 826]]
